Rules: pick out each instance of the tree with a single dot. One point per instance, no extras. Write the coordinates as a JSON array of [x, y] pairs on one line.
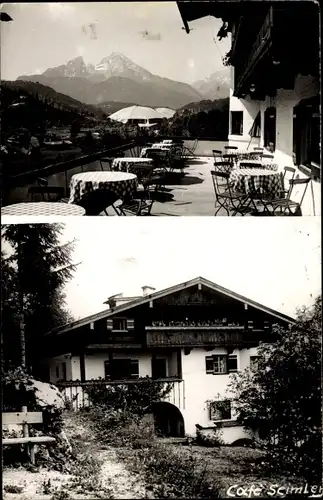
[[33, 277], [281, 397]]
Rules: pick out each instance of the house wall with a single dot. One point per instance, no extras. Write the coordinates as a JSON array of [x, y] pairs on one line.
[[200, 387], [189, 396], [94, 363], [250, 110], [304, 88]]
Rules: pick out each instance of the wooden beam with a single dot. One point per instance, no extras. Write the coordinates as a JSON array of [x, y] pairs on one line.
[[82, 366]]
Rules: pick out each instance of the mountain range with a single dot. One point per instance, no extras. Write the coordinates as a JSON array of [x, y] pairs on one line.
[[118, 79]]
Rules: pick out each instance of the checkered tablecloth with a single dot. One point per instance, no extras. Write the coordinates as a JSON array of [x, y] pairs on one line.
[[129, 164], [163, 149], [267, 164], [119, 183], [248, 180], [42, 208]]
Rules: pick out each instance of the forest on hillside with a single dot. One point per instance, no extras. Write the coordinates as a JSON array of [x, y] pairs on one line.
[[204, 119]]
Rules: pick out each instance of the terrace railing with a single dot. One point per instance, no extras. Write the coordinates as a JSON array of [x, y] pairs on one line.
[[15, 187], [75, 392]]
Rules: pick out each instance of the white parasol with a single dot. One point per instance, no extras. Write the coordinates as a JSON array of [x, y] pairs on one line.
[[135, 113], [166, 112]]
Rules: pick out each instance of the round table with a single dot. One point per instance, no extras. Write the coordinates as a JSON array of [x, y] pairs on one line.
[[129, 164], [266, 164], [42, 208], [158, 148], [119, 184], [248, 180]]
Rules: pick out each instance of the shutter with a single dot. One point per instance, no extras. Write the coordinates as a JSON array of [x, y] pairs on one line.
[[130, 324], [134, 368], [209, 364], [232, 363], [109, 324], [107, 370]]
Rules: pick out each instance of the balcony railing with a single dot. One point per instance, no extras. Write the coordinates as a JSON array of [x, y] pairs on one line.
[[198, 336], [245, 65], [75, 392]]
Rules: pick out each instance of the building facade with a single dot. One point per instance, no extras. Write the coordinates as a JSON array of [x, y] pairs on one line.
[[275, 80], [192, 336]]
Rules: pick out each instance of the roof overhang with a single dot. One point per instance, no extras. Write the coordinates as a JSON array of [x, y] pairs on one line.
[[227, 10], [165, 292]]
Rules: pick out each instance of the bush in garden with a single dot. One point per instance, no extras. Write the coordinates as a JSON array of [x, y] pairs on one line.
[[282, 399]]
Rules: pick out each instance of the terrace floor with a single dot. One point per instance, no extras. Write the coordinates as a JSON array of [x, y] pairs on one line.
[[193, 193]]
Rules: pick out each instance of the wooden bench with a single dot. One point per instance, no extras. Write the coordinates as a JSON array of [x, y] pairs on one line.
[[25, 419]]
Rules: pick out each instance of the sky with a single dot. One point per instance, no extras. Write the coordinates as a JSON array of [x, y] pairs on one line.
[[277, 263], [44, 35]]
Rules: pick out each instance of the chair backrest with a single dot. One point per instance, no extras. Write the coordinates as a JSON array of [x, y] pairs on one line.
[[106, 161], [297, 182], [216, 153], [289, 169], [229, 157], [223, 166], [265, 155], [48, 193], [230, 147], [220, 182], [249, 164], [258, 149]]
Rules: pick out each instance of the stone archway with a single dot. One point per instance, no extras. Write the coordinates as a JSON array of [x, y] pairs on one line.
[[168, 420]]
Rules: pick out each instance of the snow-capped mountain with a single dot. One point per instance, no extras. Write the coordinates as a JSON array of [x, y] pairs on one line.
[[215, 86], [117, 78]]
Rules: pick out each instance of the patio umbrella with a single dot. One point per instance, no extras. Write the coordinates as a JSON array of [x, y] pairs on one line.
[[166, 112], [135, 113]]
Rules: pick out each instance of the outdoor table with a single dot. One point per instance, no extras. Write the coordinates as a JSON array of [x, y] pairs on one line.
[[160, 149], [40, 208], [248, 180], [129, 164], [117, 184], [265, 163]]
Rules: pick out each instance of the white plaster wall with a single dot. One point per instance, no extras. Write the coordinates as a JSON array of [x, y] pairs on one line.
[[200, 386], [250, 110], [76, 368], [94, 364]]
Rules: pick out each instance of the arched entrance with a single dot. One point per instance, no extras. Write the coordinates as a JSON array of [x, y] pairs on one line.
[[168, 420]]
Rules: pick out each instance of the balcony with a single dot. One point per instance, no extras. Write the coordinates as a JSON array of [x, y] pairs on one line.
[[191, 336], [75, 391], [245, 65]]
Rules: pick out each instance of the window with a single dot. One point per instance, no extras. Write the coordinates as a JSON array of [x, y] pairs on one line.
[[57, 371], [220, 410], [254, 362], [216, 364], [121, 369], [119, 324], [237, 122], [64, 371], [159, 368]]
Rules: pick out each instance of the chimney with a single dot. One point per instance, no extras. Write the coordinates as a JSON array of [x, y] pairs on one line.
[[147, 290]]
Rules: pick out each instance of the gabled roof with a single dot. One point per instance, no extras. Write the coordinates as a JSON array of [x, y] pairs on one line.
[[167, 291]]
